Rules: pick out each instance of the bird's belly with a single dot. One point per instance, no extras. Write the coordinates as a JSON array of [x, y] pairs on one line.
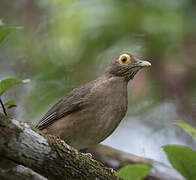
[[96, 124]]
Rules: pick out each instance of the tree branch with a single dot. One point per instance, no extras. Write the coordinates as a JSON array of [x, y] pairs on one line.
[[47, 155], [19, 172], [116, 159]]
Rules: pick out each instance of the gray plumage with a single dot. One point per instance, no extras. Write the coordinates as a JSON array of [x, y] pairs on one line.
[[89, 114]]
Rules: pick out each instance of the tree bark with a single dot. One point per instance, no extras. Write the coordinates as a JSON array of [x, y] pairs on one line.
[[20, 172], [47, 155]]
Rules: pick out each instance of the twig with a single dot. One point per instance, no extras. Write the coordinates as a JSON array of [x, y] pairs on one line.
[[3, 107]]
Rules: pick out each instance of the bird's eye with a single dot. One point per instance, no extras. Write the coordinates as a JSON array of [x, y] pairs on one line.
[[124, 58]]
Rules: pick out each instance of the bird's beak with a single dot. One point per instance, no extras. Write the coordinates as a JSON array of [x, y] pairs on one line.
[[141, 63]]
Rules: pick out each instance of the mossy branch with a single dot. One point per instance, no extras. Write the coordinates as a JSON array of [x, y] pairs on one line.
[[47, 155]]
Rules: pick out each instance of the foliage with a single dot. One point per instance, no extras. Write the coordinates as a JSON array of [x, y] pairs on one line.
[[8, 83], [183, 159], [5, 85], [10, 103], [133, 172], [4, 32], [188, 128]]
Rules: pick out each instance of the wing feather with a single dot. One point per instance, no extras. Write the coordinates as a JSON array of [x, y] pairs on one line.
[[74, 101]]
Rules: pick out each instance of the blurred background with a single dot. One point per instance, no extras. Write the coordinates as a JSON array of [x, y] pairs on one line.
[[65, 43]]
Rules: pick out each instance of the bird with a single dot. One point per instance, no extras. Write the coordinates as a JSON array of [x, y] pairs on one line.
[[89, 114]]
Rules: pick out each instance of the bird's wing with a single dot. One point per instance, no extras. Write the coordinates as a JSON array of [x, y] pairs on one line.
[[74, 101]]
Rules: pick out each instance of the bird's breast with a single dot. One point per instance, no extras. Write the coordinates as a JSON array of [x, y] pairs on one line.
[[108, 106]]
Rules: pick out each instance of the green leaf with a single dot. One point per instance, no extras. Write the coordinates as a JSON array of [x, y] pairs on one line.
[[183, 159], [188, 128], [133, 172], [10, 102], [8, 83], [5, 31]]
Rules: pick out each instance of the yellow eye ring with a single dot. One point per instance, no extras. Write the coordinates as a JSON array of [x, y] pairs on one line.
[[124, 59]]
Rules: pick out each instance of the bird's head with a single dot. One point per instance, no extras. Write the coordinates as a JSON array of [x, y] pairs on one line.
[[126, 65]]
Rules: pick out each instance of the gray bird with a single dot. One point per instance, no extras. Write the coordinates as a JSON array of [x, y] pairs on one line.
[[89, 114]]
